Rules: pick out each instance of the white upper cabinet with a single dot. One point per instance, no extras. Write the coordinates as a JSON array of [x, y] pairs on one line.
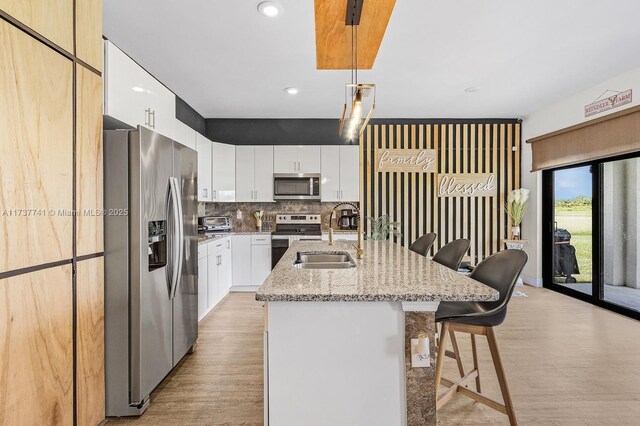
[[263, 164], [185, 135], [134, 97], [254, 173], [285, 159], [296, 159], [205, 161], [224, 172], [245, 173], [349, 173], [340, 173], [330, 181], [190, 137]]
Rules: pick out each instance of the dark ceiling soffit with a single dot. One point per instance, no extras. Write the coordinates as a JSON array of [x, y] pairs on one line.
[[306, 131], [354, 11], [189, 116]]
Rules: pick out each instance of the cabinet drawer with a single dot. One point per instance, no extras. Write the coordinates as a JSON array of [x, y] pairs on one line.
[[261, 240], [216, 245]]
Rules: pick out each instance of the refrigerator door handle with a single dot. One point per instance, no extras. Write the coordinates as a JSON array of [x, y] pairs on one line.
[[179, 222], [170, 242], [175, 239]]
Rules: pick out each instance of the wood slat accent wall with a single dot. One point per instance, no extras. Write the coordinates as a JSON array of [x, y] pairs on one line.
[[411, 198]]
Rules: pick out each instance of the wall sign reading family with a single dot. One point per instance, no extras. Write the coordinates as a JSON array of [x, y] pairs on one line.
[[467, 185], [406, 160]]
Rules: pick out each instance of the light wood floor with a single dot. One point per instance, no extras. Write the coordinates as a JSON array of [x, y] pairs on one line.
[[222, 382], [568, 363]]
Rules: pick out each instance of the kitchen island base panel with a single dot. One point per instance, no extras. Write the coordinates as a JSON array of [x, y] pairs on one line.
[[420, 388], [337, 363], [343, 363]]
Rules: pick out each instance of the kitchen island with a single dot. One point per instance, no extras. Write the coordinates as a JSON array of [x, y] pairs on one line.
[[338, 341]]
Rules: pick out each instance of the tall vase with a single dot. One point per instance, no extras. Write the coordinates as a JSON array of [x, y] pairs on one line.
[[515, 232]]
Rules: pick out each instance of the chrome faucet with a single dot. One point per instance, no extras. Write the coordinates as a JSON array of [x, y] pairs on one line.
[[359, 250]]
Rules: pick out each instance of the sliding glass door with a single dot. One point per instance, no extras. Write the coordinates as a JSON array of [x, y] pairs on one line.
[[573, 229], [620, 225], [592, 231]]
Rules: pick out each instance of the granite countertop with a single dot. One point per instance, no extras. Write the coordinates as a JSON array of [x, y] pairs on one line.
[[387, 272], [204, 238], [341, 231]]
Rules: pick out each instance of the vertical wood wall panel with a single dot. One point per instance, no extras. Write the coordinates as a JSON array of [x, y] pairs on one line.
[[89, 32], [412, 198], [36, 354], [36, 142], [89, 197], [53, 19], [90, 341], [42, 220]]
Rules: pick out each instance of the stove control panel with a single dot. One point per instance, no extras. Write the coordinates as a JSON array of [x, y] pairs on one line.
[[299, 218]]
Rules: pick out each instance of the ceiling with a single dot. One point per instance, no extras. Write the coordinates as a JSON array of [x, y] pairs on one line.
[[226, 60]]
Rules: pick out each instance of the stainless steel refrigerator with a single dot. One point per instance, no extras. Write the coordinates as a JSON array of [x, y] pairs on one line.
[[151, 263]]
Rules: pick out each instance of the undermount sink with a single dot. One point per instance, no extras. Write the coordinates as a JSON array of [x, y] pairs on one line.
[[324, 260]]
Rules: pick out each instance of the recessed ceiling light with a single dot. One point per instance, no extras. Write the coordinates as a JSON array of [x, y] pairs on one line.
[[137, 89], [472, 89], [291, 90], [269, 9]]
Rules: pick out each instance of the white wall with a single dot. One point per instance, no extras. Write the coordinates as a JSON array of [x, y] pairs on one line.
[[564, 113]]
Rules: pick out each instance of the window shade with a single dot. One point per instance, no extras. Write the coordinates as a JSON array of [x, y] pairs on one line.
[[614, 134]]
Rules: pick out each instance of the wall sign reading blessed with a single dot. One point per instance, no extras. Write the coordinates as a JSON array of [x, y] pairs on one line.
[[467, 185], [406, 160]]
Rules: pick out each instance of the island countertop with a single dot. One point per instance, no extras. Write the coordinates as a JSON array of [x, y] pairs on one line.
[[387, 272]]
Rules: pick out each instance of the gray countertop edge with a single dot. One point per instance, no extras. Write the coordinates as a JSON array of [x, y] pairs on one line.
[[368, 298]]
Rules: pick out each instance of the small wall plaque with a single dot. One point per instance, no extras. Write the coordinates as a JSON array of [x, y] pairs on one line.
[[406, 160], [467, 185], [608, 100]]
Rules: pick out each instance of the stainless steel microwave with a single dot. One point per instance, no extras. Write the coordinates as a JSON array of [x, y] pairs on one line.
[[296, 186]]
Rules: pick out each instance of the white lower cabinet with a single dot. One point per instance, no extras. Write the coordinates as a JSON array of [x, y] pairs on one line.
[[214, 274], [203, 279], [260, 259], [251, 261], [225, 269], [241, 254]]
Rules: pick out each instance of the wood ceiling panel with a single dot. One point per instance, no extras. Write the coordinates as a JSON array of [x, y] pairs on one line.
[[333, 37]]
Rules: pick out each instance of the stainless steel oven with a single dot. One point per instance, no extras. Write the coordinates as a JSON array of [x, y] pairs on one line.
[[296, 186], [293, 227]]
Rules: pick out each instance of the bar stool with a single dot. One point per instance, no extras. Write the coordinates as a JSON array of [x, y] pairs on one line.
[[452, 253], [423, 244], [500, 272]]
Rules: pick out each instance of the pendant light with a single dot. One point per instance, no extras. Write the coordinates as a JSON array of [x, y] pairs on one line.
[[356, 95]]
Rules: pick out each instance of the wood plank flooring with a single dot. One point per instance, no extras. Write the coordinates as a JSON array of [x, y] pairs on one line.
[[222, 381], [567, 362]]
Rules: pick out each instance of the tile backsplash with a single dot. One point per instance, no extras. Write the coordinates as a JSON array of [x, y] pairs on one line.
[[270, 210]]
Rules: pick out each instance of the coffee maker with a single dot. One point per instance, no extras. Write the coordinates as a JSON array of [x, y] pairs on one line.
[[345, 219], [348, 220]]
